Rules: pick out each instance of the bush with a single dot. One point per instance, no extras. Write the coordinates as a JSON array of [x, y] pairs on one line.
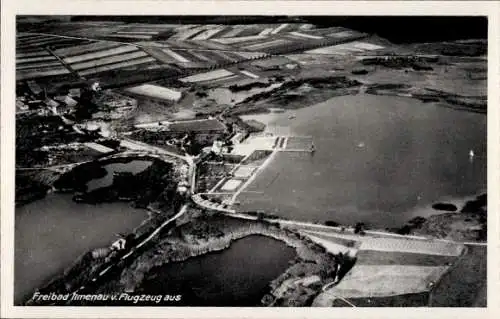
[[358, 228], [331, 223]]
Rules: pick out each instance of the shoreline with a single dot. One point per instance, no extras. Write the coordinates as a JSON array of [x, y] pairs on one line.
[[177, 249]]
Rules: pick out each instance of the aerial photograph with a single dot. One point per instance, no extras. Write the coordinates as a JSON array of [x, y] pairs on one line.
[[251, 161]]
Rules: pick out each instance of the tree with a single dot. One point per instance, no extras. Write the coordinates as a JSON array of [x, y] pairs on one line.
[[359, 227]]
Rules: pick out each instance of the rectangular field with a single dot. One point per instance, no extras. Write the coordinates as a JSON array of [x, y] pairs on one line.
[[31, 74], [141, 37], [415, 246], [212, 75], [117, 66], [265, 45], [26, 66], [155, 91], [176, 56], [86, 48], [372, 257], [381, 281], [231, 185], [100, 54], [239, 39], [347, 48], [305, 35], [244, 171], [207, 34], [35, 59], [108, 60], [20, 55]]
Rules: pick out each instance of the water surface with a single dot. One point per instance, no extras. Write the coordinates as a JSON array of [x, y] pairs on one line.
[[237, 276], [51, 233], [379, 159], [134, 167]]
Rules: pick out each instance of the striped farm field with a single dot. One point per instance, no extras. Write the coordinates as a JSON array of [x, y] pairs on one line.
[[108, 60], [207, 34], [101, 54], [265, 45], [26, 66], [155, 91], [415, 246], [35, 39], [223, 81], [175, 55], [266, 31], [212, 75], [53, 42], [305, 35], [232, 32], [190, 57], [31, 74], [251, 30], [346, 48], [209, 45], [20, 55], [342, 34], [36, 59], [249, 74], [280, 28], [114, 66], [372, 257], [26, 36], [239, 39], [224, 56], [249, 55], [200, 56], [188, 33], [159, 54], [141, 37], [85, 48], [141, 32], [387, 280]]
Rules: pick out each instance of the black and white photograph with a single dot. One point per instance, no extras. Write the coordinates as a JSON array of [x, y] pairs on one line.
[[250, 161]]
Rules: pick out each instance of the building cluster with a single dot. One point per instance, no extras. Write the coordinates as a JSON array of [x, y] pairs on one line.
[[32, 99]]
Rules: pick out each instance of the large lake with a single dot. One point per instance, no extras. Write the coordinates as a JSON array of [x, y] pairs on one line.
[[379, 159], [237, 276]]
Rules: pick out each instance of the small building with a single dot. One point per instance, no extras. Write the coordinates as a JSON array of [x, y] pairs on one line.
[[217, 147], [76, 92], [35, 88], [204, 131], [239, 137], [51, 103], [66, 99]]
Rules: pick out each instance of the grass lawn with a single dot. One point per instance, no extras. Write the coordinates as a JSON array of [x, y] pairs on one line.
[[464, 285], [406, 300], [372, 257]]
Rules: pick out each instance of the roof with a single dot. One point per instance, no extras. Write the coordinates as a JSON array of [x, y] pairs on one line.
[[34, 87], [66, 100], [208, 125]]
